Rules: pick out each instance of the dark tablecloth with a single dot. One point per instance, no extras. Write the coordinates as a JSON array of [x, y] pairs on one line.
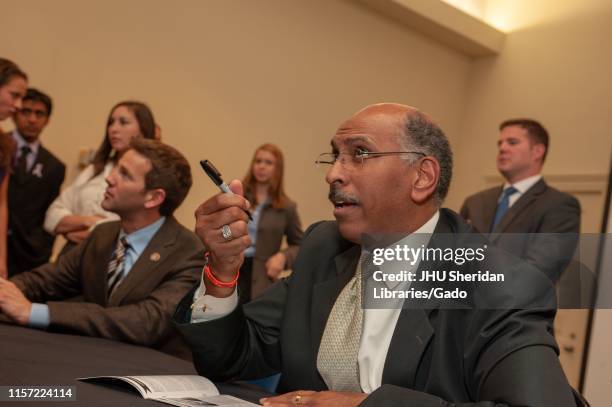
[[32, 357]]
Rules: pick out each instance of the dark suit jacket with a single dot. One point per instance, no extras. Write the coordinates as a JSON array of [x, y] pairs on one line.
[[273, 225], [547, 220], [437, 356], [140, 309], [29, 196]]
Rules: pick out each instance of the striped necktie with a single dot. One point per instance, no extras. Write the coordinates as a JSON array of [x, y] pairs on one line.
[[116, 265]]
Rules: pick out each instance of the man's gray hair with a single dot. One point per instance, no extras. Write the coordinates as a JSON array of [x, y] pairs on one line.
[[422, 135]]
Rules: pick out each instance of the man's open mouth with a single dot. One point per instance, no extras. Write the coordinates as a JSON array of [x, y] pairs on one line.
[[341, 199], [343, 204]]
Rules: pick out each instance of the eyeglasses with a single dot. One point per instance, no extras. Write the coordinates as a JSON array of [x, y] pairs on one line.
[[356, 157]]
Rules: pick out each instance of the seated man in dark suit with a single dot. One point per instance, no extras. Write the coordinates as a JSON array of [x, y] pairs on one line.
[[526, 216], [389, 171], [35, 183], [129, 273]]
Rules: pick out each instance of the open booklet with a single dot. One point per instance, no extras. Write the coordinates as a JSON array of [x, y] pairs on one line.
[[177, 390]]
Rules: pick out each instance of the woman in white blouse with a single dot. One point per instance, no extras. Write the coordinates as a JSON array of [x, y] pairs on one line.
[[78, 208]]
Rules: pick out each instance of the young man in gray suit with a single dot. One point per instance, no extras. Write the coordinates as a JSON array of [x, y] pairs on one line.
[[129, 274], [388, 172], [525, 204]]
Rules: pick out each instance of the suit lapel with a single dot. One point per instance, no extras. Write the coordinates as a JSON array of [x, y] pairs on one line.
[[523, 202], [41, 161], [410, 338], [413, 331], [325, 293], [156, 251], [489, 206], [103, 250]]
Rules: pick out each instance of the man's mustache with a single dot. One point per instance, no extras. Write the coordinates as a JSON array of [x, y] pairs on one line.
[[338, 196]]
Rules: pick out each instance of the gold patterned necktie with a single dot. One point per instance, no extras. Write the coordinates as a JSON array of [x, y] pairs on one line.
[[116, 265], [337, 359]]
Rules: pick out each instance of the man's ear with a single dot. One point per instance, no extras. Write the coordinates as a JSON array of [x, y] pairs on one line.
[[154, 198], [426, 180], [538, 151]]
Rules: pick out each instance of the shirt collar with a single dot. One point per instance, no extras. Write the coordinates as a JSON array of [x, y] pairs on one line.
[[21, 143], [139, 239], [523, 185], [430, 225], [419, 237]]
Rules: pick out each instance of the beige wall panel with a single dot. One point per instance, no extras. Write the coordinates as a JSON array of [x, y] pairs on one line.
[[224, 76]]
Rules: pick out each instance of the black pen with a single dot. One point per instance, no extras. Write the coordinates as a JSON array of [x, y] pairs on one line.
[[214, 174]]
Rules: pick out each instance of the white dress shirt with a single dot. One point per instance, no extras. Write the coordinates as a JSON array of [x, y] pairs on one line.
[[378, 324], [521, 186], [34, 147]]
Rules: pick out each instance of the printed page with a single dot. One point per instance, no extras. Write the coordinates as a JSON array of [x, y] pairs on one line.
[[222, 400], [166, 386]]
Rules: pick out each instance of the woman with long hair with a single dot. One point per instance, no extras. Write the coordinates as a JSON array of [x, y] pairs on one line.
[[274, 216], [13, 85], [79, 207]]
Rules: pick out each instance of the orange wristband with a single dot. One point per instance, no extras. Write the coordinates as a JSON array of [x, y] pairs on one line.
[[213, 279]]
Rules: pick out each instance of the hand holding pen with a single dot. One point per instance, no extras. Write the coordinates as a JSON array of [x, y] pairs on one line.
[[221, 223], [215, 176]]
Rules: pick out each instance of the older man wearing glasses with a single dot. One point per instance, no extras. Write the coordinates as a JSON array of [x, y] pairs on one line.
[[388, 173]]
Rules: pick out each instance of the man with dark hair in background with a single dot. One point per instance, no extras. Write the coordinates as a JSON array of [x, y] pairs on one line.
[[525, 204], [35, 182], [130, 273]]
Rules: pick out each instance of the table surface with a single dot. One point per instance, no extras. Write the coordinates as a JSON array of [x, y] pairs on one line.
[[33, 357]]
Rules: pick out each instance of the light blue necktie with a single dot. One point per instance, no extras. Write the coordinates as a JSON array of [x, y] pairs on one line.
[[503, 205]]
